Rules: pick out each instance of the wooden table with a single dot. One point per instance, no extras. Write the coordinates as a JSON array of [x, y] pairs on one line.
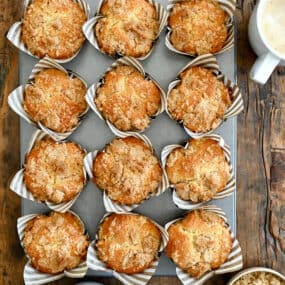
[[261, 160]]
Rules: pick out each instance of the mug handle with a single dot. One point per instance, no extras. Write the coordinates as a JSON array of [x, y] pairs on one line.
[[263, 67]]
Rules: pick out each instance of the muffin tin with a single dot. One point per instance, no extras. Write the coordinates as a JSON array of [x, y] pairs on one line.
[[93, 133]]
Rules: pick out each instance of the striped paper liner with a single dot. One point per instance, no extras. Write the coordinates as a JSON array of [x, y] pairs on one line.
[[210, 62], [109, 204], [234, 261], [88, 27], [18, 186], [228, 6], [35, 277], [94, 263], [227, 191], [16, 98], [15, 31], [129, 61]]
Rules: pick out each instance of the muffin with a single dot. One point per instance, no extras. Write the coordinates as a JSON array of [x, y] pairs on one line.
[[55, 100], [127, 99], [56, 242], [198, 26], [127, 27], [198, 172], [199, 101], [53, 28], [199, 243], [128, 243], [127, 170], [54, 171]]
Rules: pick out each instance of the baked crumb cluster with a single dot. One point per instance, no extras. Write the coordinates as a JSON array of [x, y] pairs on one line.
[[128, 27], [200, 100], [127, 99], [54, 171], [198, 172], [199, 243], [55, 99], [198, 26], [259, 278], [56, 242], [127, 170], [53, 28], [128, 243]]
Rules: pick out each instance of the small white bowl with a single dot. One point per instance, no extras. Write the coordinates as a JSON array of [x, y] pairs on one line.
[[253, 270]]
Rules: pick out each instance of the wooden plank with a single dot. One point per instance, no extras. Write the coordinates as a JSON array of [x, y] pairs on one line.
[[261, 159]]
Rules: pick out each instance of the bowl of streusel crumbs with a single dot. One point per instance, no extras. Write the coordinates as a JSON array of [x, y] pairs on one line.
[[258, 276]]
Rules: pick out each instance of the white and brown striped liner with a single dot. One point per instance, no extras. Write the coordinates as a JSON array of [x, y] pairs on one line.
[[35, 277], [88, 27], [227, 191], [234, 261], [15, 31], [18, 186], [91, 93], [16, 98], [210, 62], [228, 6], [127, 279], [109, 204]]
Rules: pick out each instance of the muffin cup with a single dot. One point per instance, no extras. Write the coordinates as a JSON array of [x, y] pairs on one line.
[[18, 186], [210, 62], [15, 31], [109, 204], [227, 5], [34, 277], [234, 261], [88, 27], [227, 191], [91, 93], [16, 98], [94, 263]]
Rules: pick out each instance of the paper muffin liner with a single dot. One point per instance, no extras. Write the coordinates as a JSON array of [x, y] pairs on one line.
[[227, 191], [124, 61], [109, 204], [16, 98], [34, 277], [94, 263], [15, 31], [210, 62], [88, 27], [228, 6], [234, 261], [18, 186]]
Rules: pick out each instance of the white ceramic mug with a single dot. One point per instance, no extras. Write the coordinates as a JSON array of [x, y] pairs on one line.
[[268, 58]]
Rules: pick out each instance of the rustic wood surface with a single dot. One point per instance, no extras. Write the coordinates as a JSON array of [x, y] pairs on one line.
[[261, 161]]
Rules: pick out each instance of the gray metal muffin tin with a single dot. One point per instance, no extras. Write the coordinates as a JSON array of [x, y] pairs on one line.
[[93, 133]]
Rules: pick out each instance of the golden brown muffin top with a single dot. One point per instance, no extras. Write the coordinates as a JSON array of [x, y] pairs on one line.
[[127, 170], [198, 26], [128, 243], [127, 99], [55, 99], [199, 171], [56, 242], [53, 28], [200, 100], [54, 171], [128, 27], [200, 242]]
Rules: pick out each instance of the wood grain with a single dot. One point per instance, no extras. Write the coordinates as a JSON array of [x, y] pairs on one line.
[[261, 161]]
